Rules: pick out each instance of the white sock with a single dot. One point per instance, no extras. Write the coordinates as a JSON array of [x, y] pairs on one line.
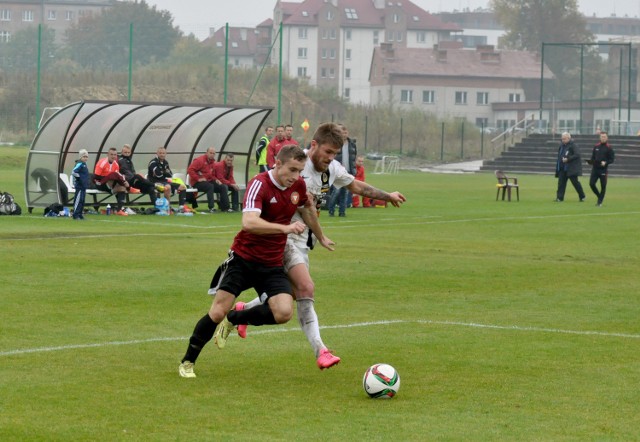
[[309, 323], [255, 301]]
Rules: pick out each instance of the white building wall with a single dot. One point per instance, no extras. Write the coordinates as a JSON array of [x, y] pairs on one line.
[[414, 39], [361, 48]]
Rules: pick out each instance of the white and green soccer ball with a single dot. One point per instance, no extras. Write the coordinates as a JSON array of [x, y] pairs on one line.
[[381, 381]]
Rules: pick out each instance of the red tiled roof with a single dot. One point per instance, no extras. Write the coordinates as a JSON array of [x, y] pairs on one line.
[[246, 46], [460, 63], [306, 13]]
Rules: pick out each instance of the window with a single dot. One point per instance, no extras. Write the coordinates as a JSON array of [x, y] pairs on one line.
[[390, 35], [332, 53], [482, 122], [461, 97], [399, 36], [51, 14], [302, 33], [302, 72], [347, 73], [5, 36], [396, 18], [323, 53], [325, 34], [329, 15], [351, 13], [219, 44], [376, 38], [332, 73], [27, 15], [68, 15], [347, 92], [333, 34], [234, 44], [406, 96], [482, 98], [302, 52], [514, 98], [323, 73], [347, 34], [347, 54], [429, 97], [5, 15], [421, 37]]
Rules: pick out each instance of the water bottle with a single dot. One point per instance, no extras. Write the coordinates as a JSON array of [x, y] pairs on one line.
[[65, 211], [108, 209]]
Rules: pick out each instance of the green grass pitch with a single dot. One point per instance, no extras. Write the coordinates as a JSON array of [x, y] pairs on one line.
[[506, 321]]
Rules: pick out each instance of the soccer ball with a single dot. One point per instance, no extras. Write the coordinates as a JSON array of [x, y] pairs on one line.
[[381, 381]]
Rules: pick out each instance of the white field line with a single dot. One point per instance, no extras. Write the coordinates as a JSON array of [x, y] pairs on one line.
[[233, 228], [327, 327]]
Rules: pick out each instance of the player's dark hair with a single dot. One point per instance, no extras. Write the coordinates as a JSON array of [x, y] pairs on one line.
[[291, 151], [329, 133]]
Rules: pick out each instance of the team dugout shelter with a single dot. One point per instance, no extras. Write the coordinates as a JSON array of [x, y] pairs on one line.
[[185, 130]]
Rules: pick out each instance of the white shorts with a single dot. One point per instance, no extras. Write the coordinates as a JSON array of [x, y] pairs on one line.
[[294, 255]]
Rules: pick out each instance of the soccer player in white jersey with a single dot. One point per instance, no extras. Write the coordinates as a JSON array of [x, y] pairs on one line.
[[321, 171]]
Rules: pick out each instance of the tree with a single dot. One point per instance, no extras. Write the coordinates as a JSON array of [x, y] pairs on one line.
[[21, 52], [529, 23], [103, 41]]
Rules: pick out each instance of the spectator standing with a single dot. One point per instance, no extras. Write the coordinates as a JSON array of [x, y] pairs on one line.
[[202, 176], [360, 176], [80, 176], [288, 135], [568, 167], [601, 156], [347, 157], [224, 173], [107, 177], [159, 173], [261, 150], [135, 180], [275, 145]]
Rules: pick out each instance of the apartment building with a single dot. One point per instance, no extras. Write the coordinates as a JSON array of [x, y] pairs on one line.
[[481, 27], [330, 42], [57, 15], [453, 82]]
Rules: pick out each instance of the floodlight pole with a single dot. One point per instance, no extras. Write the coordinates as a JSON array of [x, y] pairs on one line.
[[226, 60], [38, 76], [280, 78], [541, 80], [130, 58], [581, 81]]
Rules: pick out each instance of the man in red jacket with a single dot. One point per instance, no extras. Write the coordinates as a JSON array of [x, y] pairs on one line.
[[275, 145], [202, 176], [224, 173], [107, 177]]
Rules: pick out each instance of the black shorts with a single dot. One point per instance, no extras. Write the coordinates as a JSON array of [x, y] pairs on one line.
[[236, 275]]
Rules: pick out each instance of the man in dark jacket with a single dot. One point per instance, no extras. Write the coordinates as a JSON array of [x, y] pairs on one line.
[[568, 167], [347, 156], [135, 180], [601, 156]]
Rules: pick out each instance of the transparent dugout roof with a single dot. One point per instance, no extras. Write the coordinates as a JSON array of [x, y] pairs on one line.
[[186, 131]]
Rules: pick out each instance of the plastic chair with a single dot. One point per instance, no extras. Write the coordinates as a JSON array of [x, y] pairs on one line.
[[506, 183]]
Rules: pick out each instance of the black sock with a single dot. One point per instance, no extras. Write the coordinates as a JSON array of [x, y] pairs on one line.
[[258, 315], [202, 333]]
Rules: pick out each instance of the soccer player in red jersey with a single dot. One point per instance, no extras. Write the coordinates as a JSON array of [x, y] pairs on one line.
[[256, 255]]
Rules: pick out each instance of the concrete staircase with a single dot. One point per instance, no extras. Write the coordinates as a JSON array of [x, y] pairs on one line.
[[537, 153]]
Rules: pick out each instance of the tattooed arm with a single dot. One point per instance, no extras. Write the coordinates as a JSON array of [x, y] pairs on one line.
[[364, 189]]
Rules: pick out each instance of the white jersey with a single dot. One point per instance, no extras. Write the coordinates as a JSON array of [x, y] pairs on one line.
[[318, 185]]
